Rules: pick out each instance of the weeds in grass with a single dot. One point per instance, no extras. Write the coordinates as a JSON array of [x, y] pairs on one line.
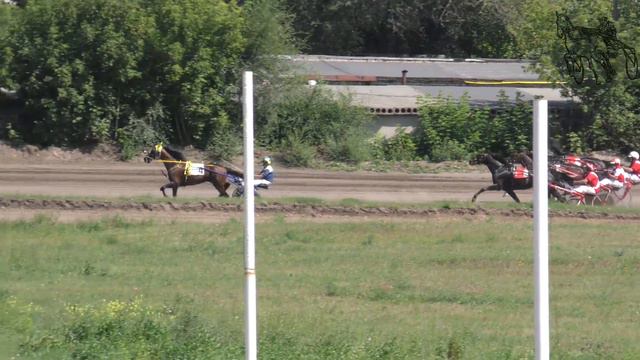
[[439, 288]]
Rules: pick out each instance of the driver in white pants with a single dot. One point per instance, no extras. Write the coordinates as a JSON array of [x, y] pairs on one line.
[[266, 174], [591, 182], [633, 171], [616, 178]]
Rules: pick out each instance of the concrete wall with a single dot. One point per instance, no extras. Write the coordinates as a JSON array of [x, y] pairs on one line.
[[387, 125]]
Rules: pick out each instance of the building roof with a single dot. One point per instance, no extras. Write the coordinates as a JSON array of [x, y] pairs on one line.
[[417, 68], [403, 99]]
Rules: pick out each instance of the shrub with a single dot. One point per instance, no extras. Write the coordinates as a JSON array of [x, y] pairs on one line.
[[134, 137], [224, 145], [575, 143], [400, 147], [449, 150], [295, 152], [351, 147], [450, 128], [128, 330], [317, 117]]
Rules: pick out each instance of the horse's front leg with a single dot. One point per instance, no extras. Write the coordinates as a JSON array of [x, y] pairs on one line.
[[493, 187], [172, 185]]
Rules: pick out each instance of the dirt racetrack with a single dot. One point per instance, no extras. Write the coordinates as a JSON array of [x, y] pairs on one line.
[[112, 179], [120, 179]]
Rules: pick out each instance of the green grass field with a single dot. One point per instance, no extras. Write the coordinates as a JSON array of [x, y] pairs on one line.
[[434, 289]]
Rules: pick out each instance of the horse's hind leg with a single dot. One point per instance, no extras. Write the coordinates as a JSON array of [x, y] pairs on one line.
[[513, 195], [493, 187], [222, 190]]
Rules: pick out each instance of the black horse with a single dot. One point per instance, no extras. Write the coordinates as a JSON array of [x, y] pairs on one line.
[[504, 177]]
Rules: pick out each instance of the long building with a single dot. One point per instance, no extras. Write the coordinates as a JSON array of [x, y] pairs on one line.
[[390, 87]]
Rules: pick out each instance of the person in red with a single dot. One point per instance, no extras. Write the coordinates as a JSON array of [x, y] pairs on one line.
[[633, 171], [615, 179], [590, 185]]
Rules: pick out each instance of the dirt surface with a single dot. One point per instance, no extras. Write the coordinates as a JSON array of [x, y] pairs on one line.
[[203, 211], [118, 179], [95, 173]]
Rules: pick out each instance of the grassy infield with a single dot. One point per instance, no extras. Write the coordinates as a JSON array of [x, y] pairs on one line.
[[433, 289]]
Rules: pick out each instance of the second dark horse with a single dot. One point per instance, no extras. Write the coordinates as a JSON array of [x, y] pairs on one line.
[[504, 177]]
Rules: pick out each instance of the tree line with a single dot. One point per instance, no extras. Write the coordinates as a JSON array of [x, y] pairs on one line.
[[137, 71]]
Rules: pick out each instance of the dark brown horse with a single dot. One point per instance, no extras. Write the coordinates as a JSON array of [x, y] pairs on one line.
[[178, 171], [503, 176]]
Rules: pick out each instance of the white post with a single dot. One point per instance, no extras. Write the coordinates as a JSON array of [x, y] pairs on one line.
[[541, 228], [250, 293]]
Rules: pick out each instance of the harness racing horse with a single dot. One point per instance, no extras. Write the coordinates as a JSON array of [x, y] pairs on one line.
[[503, 176], [178, 171]]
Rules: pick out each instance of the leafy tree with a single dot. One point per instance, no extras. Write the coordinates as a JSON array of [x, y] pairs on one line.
[[611, 107], [86, 68], [358, 27], [7, 16], [452, 128], [269, 38], [191, 65], [76, 63], [315, 116]]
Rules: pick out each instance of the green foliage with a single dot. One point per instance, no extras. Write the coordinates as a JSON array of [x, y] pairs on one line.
[[88, 68], [12, 135], [361, 27], [449, 150], [329, 315], [193, 62], [351, 147], [135, 137], [316, 117], [610, 108], [453, 349], [7, 17], [127, 330], [399, 147], [142, 133], [77, 71], [224, 144], [295, 152], [452, 129], [575, 143], [17, 315]]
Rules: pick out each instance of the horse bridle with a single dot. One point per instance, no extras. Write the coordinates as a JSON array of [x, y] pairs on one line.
[[154, 154]]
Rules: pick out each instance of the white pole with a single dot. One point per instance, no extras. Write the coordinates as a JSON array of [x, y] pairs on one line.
[[250, 293], [541, 228]]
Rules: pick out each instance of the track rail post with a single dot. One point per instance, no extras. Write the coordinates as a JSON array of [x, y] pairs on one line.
[[541, 228], [250, 291]]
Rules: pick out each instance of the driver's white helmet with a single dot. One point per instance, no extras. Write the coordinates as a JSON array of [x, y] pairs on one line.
[[634, 154], [266, 160]]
